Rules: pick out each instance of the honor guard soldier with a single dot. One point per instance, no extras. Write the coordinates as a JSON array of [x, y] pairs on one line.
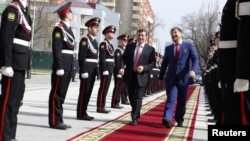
[[106, 64], [226, 65], [242, 60], [88, 61], [15, 58], [131, 40], [156, 73], [63, 50], [120, 91]]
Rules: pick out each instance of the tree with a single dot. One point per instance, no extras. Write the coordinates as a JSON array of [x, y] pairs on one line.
[[41, 24], [201, 27]]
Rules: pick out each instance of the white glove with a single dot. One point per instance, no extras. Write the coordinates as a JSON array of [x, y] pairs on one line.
[[84, 75], [151, 76], [60, 72], [7, 71], [219, 84], [241, 85], [105, 73], [119, 76]]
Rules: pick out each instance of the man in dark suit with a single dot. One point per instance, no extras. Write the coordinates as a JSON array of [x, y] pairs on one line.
[[106, 65], [88, 61], [139, 59], [15, 60], [63, 41], [177, 59]]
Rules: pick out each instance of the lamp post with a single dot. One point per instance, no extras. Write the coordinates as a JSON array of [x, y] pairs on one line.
[[150, 21], [32, 40]]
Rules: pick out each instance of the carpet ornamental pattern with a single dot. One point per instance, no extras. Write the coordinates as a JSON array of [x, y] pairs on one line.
[[175, 134]]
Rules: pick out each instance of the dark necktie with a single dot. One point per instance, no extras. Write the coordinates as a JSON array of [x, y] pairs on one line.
[[137, 56], [177, 51]]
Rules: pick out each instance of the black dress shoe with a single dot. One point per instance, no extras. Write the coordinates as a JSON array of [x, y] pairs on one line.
[[125, 103], [211, 120], [103, 111], [210, 115], [134, 122], [60, 126], [66, 125], [117, 106], [166, 123], [180, 124], [86, 117]]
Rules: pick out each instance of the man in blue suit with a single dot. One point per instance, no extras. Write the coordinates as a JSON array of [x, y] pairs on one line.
[[136, 71], [179, 75]]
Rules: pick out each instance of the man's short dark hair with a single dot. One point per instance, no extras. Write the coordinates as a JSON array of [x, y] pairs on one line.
[[176, 28], [141, 30]]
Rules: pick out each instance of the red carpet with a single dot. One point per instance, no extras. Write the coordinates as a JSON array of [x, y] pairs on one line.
[[149, 126]]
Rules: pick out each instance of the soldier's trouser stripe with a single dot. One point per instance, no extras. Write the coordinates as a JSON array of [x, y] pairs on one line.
[[81, 98], [53, 109], [116, 91], [4, 107], [101, 94], [242, 107]]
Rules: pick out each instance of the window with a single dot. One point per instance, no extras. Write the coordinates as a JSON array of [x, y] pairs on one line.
[[83, 31], [85, 18]]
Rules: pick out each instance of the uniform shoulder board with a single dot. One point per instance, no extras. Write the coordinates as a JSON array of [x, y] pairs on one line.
[[11, 16], [60, 25], [14, 4]]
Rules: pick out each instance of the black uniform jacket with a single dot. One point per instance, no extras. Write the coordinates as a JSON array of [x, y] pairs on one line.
[[106, 54], [62, 45], [88, 49], [15, 55]]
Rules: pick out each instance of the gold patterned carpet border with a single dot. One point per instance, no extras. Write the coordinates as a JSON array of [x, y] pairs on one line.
[[182, 133], [175, 133]]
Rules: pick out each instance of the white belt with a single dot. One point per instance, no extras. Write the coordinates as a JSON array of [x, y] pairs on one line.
[[92, 60], [67, 51], [156, 69], [21, 42], [244, 9], [109, 60], [228, 44]]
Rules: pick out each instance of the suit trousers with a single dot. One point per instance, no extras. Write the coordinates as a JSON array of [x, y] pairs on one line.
[[57, 96], [175, 92], [12, 93], [135, 97]]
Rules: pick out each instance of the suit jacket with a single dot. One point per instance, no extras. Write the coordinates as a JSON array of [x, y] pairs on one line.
[[180, 67], [147, 60]]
